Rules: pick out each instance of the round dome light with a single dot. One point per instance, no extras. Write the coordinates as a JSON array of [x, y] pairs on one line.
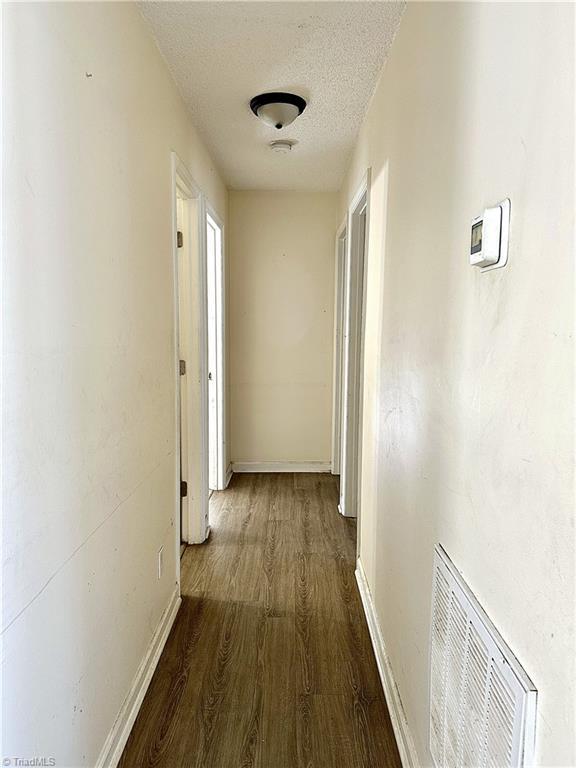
[[277, 109]]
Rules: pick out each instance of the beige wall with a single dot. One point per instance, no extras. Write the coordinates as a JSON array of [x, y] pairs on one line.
[[281, 325], [468, 421], [89, 385]]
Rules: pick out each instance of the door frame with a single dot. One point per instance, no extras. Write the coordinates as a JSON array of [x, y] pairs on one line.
[[184, 186], [222, 474], [354, 327], [339, 286]]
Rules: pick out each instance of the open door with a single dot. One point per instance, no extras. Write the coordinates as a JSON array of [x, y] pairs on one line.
[[216, 354], [353, 351], [184, 335], [341, 245], [191, 362]]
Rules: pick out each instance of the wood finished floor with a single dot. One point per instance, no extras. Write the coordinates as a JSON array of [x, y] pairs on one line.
[[269, 662]]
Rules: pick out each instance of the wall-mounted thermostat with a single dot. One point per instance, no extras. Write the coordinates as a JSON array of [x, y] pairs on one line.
[[489, 241]]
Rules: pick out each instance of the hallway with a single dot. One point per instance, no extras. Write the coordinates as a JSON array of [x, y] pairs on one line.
[[269, 662], [288, 396]]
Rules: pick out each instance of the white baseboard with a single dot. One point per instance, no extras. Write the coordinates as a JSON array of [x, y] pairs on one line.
[[281, 466], [228, 476], [404, 739], [118, 736]]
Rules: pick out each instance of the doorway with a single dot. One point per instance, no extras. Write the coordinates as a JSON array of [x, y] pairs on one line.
[[190, 345], [353, 353], [341, 244], [215, 313], [185, 215]]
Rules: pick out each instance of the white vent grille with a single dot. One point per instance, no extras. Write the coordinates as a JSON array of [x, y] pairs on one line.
[[482, 703]]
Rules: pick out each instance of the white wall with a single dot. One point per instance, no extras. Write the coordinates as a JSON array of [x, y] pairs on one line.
[[281, 324], [468, 421], [89, 391]]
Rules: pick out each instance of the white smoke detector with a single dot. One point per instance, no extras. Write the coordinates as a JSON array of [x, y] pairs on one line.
[[281, 146]]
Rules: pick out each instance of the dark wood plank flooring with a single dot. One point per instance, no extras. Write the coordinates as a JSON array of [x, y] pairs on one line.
[[269, 662]]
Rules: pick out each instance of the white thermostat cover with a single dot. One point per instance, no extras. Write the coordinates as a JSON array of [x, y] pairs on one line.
[[490, 238]]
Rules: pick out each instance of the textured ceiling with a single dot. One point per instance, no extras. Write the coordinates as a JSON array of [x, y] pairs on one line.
[[223, 53]]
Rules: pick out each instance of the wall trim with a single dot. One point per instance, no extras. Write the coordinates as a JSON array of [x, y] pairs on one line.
[[116, 741], [228, 476], [281, 466], [404, 738]]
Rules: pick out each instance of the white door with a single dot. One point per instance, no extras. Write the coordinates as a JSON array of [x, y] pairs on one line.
[[184, 331], [339, 315], [216, 372], [353, 352], [191, 347]]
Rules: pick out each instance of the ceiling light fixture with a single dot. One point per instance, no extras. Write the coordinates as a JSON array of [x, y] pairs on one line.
[[281, 146], [277, 109]]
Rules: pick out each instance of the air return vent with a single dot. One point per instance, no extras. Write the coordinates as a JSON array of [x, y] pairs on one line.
[[482, 703]]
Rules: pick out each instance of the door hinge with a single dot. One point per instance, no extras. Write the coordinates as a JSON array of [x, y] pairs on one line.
[[179, 239], [182, 367], [183, 489]]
